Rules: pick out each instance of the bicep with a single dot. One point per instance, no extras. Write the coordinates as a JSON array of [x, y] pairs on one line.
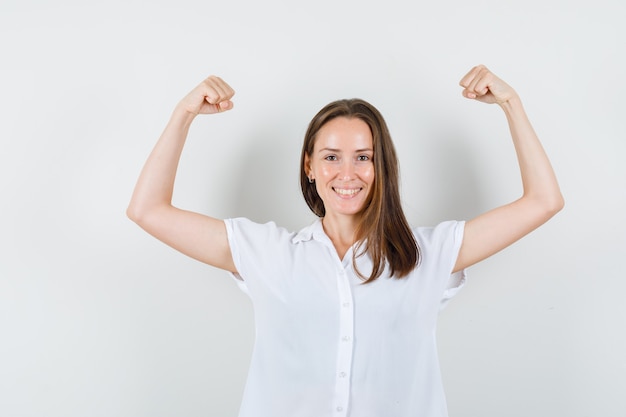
[[196, 235], [494, 230]]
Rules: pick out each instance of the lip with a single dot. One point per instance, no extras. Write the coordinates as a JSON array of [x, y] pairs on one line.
[[347, 192]]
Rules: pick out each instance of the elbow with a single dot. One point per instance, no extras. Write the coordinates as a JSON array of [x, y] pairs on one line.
[[146, 215], [136, 213], [559, 202], [544, 207], [133, 213], [554, 204]]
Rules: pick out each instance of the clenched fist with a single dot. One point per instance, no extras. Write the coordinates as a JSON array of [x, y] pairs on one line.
[[212, 95], [483, 85]]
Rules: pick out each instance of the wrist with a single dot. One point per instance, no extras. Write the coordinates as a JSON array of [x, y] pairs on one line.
[[512, 105], [182, 116]]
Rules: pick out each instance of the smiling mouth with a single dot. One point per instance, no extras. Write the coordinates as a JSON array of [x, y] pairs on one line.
[[346, 192]]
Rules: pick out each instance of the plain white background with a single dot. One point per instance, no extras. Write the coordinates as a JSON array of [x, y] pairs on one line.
[[99, 319]]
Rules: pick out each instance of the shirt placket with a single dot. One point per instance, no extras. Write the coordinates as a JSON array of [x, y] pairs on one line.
[[345, 342]]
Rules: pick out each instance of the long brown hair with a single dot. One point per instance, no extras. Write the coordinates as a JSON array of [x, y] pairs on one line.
[[383, 230]]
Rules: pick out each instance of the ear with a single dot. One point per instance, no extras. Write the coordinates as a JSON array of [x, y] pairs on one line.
[[307, 165]]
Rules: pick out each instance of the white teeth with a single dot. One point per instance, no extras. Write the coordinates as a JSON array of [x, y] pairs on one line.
[[347, 192]]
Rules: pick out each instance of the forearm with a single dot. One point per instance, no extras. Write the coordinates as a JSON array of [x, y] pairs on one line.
[[538, 179], [155, 185]]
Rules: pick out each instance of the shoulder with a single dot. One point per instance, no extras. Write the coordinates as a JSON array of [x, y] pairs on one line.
[[451, 229], [246, 229], [445, 237], [267, 253], [439, 246]]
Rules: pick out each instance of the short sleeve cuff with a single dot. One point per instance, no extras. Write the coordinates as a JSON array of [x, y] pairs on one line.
[[230, 233], [455, 283]]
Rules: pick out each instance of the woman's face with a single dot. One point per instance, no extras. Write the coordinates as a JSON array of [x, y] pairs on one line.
[[342, 165]]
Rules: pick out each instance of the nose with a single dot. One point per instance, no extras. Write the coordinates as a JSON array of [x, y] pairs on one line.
[[347, 170]]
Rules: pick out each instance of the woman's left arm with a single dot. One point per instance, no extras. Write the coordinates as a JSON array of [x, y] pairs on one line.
[[541, 199]]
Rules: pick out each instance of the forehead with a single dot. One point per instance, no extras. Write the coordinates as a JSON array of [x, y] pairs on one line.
[[344, 133]]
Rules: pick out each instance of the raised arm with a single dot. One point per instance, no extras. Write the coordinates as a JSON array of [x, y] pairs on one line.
[[196, 235], [541, 198]]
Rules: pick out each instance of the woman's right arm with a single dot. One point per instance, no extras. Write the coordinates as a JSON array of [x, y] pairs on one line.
[[198, 236]]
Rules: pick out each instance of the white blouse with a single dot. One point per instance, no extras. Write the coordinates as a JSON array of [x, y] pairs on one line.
[[327, 345]]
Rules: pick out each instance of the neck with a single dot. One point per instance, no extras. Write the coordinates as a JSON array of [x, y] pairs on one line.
[[341, 231]]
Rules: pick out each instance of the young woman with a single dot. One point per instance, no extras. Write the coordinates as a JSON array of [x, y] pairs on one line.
[[346, 308]]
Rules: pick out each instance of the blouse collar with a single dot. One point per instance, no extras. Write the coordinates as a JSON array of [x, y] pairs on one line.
[[314, 231]]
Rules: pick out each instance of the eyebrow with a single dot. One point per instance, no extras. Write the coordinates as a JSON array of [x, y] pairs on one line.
[[339, 151]]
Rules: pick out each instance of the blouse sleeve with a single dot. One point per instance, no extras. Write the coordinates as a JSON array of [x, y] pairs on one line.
[[456, 280], [440, 249], [256, 250]]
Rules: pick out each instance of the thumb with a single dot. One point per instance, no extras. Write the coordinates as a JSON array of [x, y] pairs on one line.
[[224, 105]]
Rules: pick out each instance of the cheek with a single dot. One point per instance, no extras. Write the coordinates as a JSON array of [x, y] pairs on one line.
[[368, 174], [326, 171]]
